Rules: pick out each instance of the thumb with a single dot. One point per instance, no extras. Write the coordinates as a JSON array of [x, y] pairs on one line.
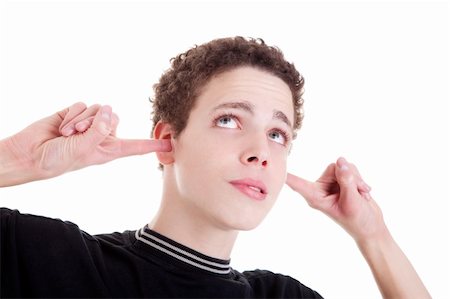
[[100, 129], [346, 178]]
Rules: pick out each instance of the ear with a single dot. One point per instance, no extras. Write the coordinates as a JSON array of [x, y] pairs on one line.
[[164, 131]]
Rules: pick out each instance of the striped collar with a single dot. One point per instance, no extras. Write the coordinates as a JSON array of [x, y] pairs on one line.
[[181, 252]]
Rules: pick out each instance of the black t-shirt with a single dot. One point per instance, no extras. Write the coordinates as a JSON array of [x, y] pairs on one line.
[[43, 257]]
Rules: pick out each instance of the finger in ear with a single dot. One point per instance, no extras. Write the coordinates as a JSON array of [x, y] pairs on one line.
[[164, 130]]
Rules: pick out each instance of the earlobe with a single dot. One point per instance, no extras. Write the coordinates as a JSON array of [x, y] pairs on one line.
[[164, 131]]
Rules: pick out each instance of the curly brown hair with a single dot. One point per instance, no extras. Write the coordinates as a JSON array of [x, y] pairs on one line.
[[179, 87]]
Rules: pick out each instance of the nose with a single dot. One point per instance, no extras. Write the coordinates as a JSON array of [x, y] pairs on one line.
[[256, 152]]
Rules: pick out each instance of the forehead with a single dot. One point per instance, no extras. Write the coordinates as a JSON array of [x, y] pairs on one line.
[[259, 87]]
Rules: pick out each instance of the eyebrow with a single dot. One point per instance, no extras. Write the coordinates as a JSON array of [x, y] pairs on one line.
[[248, 107]]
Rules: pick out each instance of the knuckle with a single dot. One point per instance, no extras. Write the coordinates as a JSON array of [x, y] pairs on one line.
[[103, 129], [95, 107], [313, 204], [115, 119], [80, 105]]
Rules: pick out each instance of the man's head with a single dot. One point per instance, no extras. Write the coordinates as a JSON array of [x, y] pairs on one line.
[[178, 88], [238, 107]]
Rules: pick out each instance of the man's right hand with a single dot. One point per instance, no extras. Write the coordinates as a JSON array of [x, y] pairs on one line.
[[71, 139]]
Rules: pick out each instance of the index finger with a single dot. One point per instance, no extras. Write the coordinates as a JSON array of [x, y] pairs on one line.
[[130, 147], [302, 186]]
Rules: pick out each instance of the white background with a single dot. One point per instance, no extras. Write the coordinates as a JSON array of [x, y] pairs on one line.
[[377, 92]]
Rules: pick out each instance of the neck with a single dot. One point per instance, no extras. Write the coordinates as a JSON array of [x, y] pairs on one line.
[[182, 222]]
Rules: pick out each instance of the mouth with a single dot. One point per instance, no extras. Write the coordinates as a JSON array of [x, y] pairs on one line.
[[252, 188]]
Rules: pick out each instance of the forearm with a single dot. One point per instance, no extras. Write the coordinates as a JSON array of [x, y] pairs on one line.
[[15, 168], [393, 272]]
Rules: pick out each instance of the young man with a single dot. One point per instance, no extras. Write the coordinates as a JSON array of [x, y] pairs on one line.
[[225, 115]]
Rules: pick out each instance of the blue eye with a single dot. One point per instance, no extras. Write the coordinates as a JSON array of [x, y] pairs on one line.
[[227, 121], [278, 137]]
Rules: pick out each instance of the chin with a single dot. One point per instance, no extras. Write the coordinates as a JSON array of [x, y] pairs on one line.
[[244, 224], [248, 228], [245, 220]]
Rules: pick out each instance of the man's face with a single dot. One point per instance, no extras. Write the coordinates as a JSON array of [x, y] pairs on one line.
[[230, 160]]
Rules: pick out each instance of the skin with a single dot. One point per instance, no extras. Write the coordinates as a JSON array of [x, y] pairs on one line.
[[199, 208], [64, 142]]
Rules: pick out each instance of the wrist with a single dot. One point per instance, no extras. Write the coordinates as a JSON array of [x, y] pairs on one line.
[[16, 167], [377, 244], [394, 274]]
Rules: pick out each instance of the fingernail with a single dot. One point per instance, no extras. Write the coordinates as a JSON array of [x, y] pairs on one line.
[[82, 126], [106, 112], [68, 131], [342, 163]]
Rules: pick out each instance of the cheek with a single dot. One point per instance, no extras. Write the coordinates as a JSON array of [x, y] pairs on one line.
[[279, 167], [279, 155], [204, 152], [199, 161]]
